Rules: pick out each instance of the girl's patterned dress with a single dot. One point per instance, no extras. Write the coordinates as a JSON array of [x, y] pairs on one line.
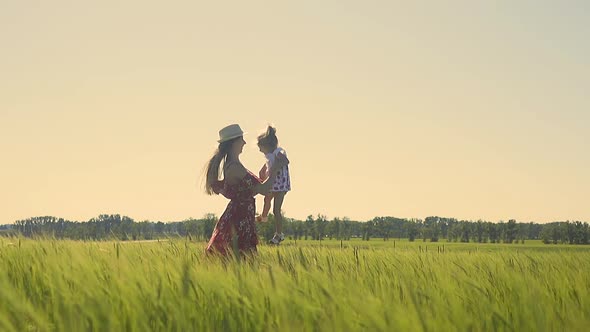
[[237, 219], [283, 180]]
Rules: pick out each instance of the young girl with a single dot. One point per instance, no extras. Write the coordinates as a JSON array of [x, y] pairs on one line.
[[269, 145]]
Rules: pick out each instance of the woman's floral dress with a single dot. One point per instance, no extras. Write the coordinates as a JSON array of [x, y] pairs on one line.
[[238, 218]]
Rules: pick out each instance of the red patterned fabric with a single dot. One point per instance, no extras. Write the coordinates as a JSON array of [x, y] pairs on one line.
[[238, 218]]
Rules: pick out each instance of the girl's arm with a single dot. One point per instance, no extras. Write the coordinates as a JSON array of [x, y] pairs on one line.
[[263, 175]]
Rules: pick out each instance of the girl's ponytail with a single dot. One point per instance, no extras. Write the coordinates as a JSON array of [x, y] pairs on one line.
[[269, 138]]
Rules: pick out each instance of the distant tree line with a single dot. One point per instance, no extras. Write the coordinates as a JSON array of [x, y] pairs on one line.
[[111, 226], [432, 229]]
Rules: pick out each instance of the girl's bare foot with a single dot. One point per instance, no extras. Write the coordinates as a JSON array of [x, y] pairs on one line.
[[261, 219]]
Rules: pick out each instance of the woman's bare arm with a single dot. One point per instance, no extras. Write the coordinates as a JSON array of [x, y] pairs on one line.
[[235, 172]]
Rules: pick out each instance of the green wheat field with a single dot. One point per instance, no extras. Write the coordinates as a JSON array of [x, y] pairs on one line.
[[170, 285]]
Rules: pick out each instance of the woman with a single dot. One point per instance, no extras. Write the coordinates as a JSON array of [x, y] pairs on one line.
[[236, 230]]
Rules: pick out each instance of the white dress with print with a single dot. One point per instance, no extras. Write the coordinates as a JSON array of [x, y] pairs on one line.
[[283, 180]]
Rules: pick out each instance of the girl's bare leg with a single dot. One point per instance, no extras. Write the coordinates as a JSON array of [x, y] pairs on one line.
[[276, 210], [267, 202]]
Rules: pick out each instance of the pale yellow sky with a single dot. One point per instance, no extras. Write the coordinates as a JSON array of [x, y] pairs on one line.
[[462, 109]]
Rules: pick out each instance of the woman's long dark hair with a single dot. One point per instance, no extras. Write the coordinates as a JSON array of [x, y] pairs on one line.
[[212, 173]]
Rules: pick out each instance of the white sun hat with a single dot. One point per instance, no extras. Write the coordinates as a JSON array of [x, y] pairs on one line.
[[230, 132]]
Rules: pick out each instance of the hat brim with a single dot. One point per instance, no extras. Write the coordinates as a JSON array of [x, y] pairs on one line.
[[231, 137]]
